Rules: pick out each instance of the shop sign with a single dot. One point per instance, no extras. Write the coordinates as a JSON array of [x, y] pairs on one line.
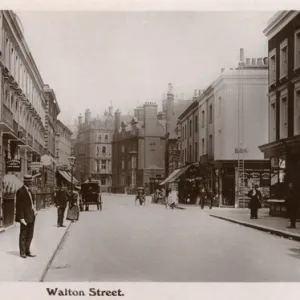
[[241, 150], [13, 165]]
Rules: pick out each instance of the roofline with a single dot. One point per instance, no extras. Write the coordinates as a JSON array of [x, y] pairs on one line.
[[64, 126], [48, 89], [279, 21]]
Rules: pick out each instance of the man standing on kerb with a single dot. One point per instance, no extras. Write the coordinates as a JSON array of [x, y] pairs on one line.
[[25, 215]]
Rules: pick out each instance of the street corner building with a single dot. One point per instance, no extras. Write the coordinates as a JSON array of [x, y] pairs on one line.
[[93, 148], [220, 133], [28, 114], [145, 146], [283, 33]]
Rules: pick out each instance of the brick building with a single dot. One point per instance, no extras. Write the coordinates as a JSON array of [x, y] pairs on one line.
[[282, 144], [138, 149]]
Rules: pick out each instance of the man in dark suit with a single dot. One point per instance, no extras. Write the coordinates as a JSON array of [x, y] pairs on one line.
[[25, 215], [61, 200]]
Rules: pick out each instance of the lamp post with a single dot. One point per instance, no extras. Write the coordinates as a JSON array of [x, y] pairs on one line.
[[72, 163]]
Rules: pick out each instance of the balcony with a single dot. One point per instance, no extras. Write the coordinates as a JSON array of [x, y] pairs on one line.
[[7, 117], [103, 171], [30, 140]]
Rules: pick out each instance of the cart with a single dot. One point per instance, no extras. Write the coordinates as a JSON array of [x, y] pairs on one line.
[[91, 195]]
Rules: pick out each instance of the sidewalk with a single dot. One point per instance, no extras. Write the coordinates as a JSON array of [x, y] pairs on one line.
[[274, 225], [46, 240]]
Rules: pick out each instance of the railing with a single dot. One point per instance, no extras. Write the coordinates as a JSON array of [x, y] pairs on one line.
[[7, 116]]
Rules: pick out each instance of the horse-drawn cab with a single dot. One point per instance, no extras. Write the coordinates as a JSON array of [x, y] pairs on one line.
[[91, 194]]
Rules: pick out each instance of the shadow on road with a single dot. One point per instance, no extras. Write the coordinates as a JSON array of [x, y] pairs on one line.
[[15, 253], [296, 253]]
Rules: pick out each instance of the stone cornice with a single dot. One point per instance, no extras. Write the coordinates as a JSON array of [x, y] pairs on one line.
[[278, 22]]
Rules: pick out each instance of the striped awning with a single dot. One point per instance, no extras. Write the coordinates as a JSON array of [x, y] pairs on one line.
[[175, 175]]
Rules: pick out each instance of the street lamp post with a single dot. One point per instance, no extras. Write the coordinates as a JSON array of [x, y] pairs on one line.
[[72, 162]]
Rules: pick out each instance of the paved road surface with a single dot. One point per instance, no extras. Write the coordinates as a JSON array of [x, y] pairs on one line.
[[131, 243]]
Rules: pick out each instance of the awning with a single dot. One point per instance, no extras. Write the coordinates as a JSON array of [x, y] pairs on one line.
[[175, 175], [67, 176], [11, 183]]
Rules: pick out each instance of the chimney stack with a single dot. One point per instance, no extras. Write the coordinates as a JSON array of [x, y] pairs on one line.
[[199, 92], [253, 61], [80, 119], [248, 61], [117, 120], [259, 61], [222, 70], [242, 54]]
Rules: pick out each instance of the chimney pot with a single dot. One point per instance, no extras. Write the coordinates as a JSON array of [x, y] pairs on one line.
[[242, 54], [259, 61]]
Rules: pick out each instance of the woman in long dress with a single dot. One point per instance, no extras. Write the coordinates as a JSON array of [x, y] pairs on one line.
[[173, 199], [73, 211]]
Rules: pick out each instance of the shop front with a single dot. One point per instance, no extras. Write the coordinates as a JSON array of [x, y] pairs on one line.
[[285, 168]]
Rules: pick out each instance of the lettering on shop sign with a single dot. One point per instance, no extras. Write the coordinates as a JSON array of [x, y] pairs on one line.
[[241, 150], [13, 165]]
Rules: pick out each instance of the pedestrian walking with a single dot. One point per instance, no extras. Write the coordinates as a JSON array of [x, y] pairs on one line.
[[25, 215], [292, 205], [73, 210], [61, 200], [255, 201], [210, 198], [203, 196], [172, 199]]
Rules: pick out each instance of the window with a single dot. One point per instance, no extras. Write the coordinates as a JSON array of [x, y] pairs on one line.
[[210, 114], [203, 118], [106, 137], [191, 127], [283, 117], [283, 59], [220, 106], [203, 146], [297, 49], [97, 150], [103, 164], [210, 144], [297, 112], [97, 166], [190, 154], [99, 138], [103, 150], [272, 67], [103, 181], [123, 164], [123, 149], [185, 132], [196, 151], [196, 123]]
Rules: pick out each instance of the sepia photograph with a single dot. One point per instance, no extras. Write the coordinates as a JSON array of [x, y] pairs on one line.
[[149, 146]]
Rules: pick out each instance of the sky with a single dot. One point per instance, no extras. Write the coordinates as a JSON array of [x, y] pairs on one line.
[[92, 59]]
